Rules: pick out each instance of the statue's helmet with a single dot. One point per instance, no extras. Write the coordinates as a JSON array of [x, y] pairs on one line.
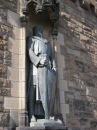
[[37, 31]]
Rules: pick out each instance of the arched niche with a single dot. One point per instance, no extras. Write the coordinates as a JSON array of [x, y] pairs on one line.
[[44, 13]]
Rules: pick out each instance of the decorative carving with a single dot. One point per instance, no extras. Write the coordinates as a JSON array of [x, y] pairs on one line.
[[51, 6]]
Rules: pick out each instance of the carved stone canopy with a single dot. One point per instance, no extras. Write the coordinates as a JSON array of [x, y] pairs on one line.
[[51, 6]]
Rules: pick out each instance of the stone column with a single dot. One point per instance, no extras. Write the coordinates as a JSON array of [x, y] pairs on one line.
[[23, 118]]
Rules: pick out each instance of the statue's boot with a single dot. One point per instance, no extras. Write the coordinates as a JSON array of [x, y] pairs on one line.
[[33, 119]]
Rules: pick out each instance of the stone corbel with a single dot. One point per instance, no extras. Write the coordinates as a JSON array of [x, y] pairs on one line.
[[85, 4], [51, 6]]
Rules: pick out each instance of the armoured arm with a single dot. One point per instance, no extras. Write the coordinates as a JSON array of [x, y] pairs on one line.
[[33, 58]]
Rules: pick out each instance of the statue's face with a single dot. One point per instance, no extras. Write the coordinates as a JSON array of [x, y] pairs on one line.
[[37, 31]]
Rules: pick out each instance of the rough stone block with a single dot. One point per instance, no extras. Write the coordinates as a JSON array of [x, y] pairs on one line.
[[1, 99], [5, 92], [7, 62], [6, 30], [1, 56], [7, 55], [12, 5], [4, 119], [4, 82], [3, 71]]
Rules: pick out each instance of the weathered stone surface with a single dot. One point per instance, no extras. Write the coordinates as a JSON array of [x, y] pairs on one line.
[[1, 108], [5, 92], [1, 99], [4, 119], [5, 83], [10, 4], [3, 71]]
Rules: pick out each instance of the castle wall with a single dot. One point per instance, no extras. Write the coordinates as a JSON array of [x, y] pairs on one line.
[[12, 64], [76, 59], [77, 65]]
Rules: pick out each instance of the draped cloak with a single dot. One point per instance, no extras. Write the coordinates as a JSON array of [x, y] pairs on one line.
[[42, 76]]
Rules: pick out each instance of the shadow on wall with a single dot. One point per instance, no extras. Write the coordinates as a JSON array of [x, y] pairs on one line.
[[80, 52]]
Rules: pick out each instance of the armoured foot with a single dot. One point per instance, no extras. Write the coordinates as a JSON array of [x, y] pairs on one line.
[[33, 119], [52, 117]]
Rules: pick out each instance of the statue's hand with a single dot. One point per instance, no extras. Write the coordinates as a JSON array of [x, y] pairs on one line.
[[43, 62], [54, 68]]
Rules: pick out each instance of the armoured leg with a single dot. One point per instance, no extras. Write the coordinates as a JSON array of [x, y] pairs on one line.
[[46, 111]]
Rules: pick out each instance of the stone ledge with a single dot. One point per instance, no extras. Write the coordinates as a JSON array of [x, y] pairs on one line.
[[42, 128]]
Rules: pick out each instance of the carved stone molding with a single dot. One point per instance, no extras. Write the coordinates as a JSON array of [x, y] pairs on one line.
[[51, 6]]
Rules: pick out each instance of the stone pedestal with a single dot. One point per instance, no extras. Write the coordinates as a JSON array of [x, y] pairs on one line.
[[42, 128]]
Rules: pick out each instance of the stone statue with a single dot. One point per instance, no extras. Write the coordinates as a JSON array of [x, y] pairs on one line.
[[42, 74]]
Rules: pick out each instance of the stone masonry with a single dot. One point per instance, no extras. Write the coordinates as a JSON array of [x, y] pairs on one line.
[[9, 64], [5, 58], [77, 64], [76, 61]]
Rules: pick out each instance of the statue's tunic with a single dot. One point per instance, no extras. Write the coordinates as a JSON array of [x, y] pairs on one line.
[[41, 76]]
